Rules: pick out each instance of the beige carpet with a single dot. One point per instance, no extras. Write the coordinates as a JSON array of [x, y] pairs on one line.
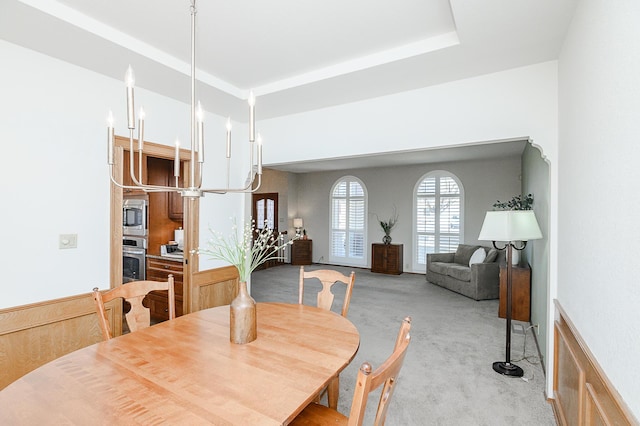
[[447, 378]]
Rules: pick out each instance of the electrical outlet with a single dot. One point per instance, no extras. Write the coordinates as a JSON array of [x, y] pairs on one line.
[[517, 328], [68, 241], [537, 327]]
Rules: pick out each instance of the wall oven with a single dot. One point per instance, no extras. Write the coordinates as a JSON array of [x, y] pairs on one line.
[[135, 216], [134, 258]]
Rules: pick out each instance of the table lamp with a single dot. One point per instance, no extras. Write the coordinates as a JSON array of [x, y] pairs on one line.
[[510, 227], [297, 223]]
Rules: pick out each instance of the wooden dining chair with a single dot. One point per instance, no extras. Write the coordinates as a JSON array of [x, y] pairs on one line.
[[328, 278], [385, 375], [134, 292]]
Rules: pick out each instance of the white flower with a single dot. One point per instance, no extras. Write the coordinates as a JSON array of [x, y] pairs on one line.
[[235, 250]]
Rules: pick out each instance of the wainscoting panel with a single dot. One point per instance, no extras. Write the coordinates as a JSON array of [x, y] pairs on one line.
[[32, 335], [583, 394], [214, 287], [569, 387]]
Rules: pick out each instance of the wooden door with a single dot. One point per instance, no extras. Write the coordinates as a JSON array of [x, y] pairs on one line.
[[265, 215]]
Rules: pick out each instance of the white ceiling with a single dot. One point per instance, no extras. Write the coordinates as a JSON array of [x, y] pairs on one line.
[[296, 55]]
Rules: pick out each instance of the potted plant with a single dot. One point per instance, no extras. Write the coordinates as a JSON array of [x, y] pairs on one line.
[[388, 225], [519, 202]]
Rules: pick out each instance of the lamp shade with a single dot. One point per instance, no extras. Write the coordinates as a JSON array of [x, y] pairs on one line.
[[297, 222], [510, 225]]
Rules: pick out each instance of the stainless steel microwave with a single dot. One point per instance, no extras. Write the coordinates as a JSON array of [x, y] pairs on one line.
[[135, 216]]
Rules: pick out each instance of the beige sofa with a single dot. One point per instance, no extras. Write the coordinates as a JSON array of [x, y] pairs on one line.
[[478, 281]]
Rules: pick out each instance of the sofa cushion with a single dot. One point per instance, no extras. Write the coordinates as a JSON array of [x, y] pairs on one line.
[[464, 253], [459, 272], [440, 267], [491, 256], [478, 256]]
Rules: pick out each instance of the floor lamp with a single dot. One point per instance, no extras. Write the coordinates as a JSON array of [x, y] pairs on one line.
[[510, 227]]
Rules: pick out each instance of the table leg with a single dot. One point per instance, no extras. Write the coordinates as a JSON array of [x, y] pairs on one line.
[[333, 391]]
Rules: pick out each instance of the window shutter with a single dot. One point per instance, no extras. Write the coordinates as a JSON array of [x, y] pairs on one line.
[[348, 221], [438, 216]]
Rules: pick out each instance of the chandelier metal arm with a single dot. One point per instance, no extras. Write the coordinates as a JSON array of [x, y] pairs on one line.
[[194, 188]]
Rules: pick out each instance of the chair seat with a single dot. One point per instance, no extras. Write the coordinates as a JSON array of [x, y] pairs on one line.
[[319, 415]]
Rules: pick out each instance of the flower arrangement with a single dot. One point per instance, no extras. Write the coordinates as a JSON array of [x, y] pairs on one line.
[[388, 225], [243, 251], [519, 202]]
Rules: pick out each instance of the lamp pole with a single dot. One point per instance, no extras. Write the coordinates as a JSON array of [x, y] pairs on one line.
[[506, 367]]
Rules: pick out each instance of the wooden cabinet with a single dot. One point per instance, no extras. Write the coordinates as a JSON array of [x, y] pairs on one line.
[[161, 224], [386, 258], [157, 301], [175, 206], [301, 252], [176, 209], [520, 292]]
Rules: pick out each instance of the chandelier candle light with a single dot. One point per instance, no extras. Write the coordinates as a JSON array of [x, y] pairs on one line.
[[194, 188]]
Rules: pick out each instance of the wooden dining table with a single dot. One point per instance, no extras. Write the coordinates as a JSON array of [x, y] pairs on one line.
[[186, 371]]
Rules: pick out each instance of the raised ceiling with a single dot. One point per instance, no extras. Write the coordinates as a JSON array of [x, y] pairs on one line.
[[296, 55]]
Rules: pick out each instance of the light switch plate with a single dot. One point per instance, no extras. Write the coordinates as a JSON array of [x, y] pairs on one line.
[[67, 241]]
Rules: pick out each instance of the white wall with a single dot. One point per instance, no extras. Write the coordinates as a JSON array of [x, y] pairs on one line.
[[599, 198], [510, 104], [54, 176], [535, 180]]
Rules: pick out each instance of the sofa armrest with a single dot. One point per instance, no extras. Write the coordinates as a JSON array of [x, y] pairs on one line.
[[486, 279], [440, 257]]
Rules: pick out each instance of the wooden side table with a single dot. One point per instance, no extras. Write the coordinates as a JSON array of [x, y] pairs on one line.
[[386, 258], [520, 292], [301, 252]]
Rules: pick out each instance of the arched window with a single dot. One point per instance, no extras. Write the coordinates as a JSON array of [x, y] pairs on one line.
[[348, 222], [439, 215]]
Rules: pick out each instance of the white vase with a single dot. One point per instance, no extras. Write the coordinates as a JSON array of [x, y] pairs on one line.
[[515, 256]]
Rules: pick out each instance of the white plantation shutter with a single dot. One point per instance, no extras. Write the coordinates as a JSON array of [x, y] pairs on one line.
[[348, 221], [356, 228], [339, 225], [438, 215]]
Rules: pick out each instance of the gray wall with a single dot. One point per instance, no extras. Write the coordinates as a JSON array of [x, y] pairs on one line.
[[484, 182], [535, 180]]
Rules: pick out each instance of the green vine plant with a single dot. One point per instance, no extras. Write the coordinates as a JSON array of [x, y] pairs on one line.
[[519, 202]]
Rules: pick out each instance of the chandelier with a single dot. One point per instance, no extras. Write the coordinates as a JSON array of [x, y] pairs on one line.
[[194, 187]]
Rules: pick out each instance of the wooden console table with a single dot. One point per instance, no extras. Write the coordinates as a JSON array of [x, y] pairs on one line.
[[520, 292], [301, 252], [386, 258]]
